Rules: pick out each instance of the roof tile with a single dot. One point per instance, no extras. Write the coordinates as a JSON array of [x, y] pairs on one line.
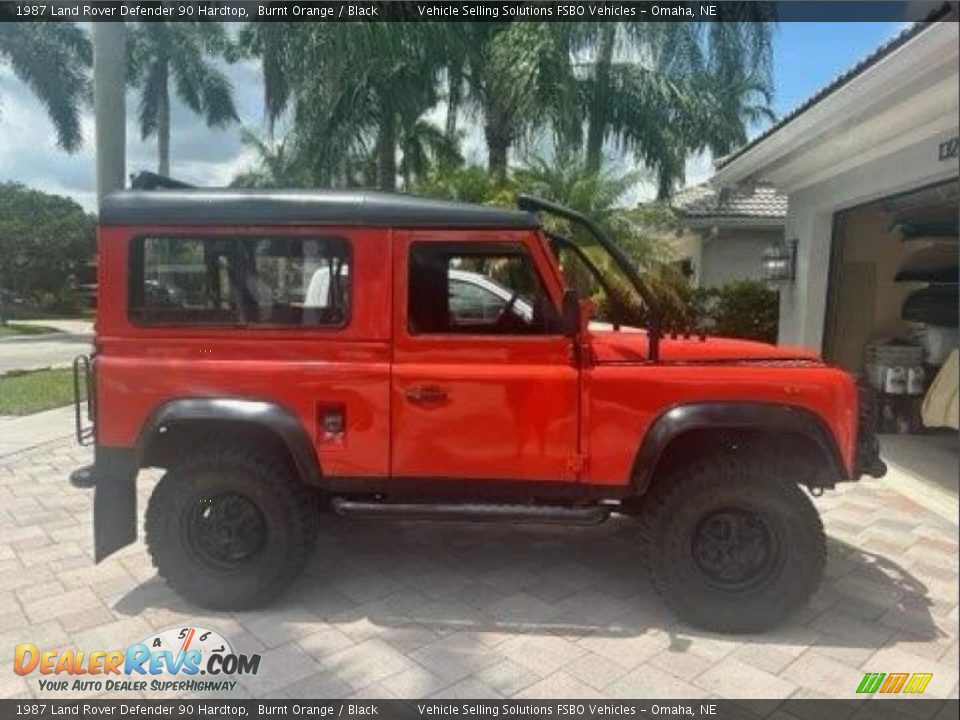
[[700, 201]]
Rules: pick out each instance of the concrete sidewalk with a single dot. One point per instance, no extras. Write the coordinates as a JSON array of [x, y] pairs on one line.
[[18, 434]]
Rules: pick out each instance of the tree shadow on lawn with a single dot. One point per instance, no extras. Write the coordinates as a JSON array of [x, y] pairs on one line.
[[547, 580]]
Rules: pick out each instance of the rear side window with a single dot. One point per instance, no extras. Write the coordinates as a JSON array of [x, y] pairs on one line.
[[176, 280]]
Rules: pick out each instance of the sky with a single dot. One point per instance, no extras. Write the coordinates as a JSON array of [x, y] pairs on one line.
[[807, 56]]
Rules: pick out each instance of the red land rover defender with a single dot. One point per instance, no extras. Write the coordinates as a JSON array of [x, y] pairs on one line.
[[281, 354]]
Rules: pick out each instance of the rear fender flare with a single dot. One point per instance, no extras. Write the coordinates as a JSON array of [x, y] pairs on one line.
[[768, 417], [267, 415]]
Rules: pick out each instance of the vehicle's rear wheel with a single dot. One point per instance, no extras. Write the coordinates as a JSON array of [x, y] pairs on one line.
[[230, 528], [731, 546]]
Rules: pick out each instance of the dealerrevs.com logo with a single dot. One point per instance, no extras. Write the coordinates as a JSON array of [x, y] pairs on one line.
[[184, 659]]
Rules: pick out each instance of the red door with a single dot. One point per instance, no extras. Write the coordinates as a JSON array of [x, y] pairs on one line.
[[484, 385]]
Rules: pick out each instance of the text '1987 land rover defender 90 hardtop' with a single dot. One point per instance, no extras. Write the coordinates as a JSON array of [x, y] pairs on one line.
[[282, 354]]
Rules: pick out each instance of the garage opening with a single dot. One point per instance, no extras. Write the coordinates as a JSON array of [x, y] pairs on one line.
[[892, 319]]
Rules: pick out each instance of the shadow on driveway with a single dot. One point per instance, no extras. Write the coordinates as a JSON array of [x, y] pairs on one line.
[[571, 582]]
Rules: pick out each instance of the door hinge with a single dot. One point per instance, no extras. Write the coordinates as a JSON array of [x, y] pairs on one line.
[[576, 464]]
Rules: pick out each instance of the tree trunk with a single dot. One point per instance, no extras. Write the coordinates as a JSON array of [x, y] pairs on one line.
[[163, 126], [499, 136], [597, 115], [387, 153], [664, 185], [454, 93], [497, 149], [109, 87]]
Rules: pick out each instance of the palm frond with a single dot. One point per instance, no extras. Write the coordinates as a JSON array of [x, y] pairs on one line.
[[153, 90], [200, 84], [52, 60], [271, 42]]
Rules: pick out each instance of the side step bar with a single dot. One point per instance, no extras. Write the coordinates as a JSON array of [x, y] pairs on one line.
[[472, 512]]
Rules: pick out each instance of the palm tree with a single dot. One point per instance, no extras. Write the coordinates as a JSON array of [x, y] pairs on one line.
[[52, 59], [470, 183], [425, 147], [664, 90], [642, 233], [597, 194], [738, 68], [181, 54], [637, 80], [278, 164], [378, 80], [518, 76], [271, 42]]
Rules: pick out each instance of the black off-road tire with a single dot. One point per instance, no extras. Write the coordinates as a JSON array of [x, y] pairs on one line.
[[739, 482], [288, 519]]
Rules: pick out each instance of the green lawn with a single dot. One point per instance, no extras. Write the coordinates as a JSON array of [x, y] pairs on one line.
[[12, 329], [34, 391]]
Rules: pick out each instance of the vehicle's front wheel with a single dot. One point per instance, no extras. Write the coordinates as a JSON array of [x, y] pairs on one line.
[[230, 528], [731, 546]]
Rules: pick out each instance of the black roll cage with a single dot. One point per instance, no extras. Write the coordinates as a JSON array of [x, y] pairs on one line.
[[535, 204], [559, 241]]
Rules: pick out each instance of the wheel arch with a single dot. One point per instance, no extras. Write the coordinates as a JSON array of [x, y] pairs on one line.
[[726, 420], [185, 421]]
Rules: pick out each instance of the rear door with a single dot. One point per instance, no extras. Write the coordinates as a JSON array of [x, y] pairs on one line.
[[484, 385]]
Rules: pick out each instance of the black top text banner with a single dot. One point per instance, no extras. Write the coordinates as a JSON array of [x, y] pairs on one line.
[[472, 10]]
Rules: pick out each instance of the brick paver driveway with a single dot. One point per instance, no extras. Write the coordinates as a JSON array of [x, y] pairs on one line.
[[412, 610]]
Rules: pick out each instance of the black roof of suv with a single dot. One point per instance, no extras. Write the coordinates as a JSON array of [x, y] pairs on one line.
[[287, 207]]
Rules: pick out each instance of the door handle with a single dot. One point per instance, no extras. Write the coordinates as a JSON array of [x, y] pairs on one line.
[[426, 394]]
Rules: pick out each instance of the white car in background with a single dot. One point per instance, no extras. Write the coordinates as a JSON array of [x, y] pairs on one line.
[[474, 297]]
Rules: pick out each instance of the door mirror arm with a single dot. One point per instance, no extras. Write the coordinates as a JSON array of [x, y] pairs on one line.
[[571, 321]]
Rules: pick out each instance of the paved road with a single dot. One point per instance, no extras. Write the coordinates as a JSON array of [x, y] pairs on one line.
[[32, 352], [482, 611]]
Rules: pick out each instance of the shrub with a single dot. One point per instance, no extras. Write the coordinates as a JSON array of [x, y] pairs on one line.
[[43, 238], [744, 309]]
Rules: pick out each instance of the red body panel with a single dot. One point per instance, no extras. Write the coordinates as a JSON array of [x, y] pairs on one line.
[[623, 401], [512, 402], [631, 346], [140, 368], [516, 408]]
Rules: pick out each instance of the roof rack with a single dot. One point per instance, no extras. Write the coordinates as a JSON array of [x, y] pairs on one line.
[[146, 180]]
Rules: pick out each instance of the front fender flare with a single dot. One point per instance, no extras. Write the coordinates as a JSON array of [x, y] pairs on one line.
[[768, 417]]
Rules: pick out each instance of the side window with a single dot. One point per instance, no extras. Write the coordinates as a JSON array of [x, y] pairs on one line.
[[240, 280], [476, 288]]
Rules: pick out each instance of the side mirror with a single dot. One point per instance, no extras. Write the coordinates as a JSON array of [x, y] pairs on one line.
[[571, 319]]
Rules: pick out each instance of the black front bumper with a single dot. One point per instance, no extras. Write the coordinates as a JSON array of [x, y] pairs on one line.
[[113, 477]]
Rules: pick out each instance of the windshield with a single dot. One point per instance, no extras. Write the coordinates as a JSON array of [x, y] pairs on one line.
[[590, 270], [613, 269]]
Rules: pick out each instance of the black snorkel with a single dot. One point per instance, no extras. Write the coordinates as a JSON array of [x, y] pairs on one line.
[[534, 204]]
